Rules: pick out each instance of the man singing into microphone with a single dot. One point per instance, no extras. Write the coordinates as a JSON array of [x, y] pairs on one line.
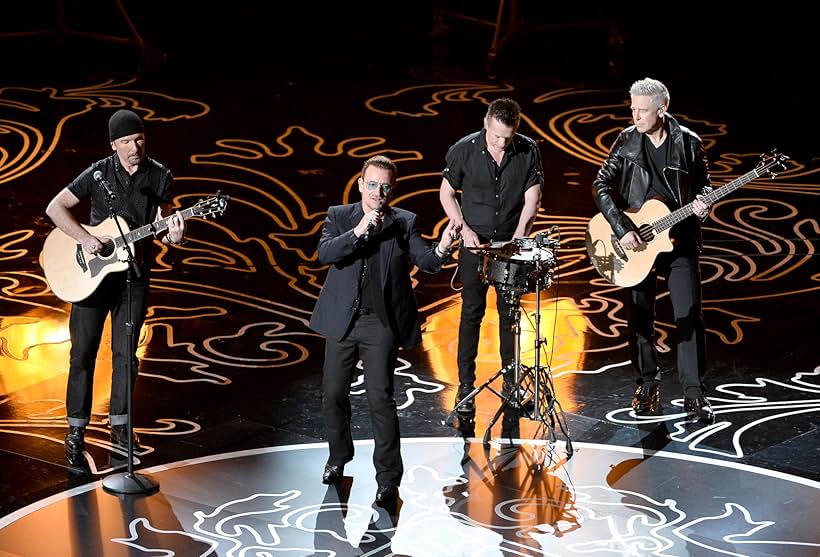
[[139, 190], [367, 310]]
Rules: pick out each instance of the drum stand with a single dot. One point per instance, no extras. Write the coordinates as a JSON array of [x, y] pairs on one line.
[[517, 400], [532, 394], [545, 407]]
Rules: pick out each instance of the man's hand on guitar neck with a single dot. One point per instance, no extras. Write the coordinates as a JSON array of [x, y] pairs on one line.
[[176, 229], [700, 208]]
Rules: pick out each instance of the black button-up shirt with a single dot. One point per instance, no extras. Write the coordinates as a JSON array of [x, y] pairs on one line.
[[492, 195]]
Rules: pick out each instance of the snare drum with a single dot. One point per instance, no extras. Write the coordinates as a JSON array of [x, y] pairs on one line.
[[521, 272]]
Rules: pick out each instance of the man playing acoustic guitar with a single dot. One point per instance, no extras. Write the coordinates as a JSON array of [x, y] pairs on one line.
[[139, 189], [657, 158]]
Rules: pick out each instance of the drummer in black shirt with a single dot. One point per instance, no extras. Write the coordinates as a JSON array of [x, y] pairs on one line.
[[499, 174]]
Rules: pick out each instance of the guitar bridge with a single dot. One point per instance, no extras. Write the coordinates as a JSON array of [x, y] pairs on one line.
[[619, 251], [80, 257]]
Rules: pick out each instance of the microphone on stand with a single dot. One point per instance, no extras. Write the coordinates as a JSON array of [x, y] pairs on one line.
[[98, 176]]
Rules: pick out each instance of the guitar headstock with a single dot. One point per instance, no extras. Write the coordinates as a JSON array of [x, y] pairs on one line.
[[771, 162], [210, 207]]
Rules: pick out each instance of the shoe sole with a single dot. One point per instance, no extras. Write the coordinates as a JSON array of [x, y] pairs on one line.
[[692, 418], [646, 411]]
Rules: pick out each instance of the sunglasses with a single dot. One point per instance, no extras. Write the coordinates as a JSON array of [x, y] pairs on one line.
[[385, 187]]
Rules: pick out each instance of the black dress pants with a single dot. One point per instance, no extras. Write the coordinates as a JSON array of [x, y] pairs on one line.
[[473, 307], [682, 274], [373, 343], [86, 327]]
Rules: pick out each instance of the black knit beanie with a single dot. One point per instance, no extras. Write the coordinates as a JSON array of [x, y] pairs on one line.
[[124, 122]]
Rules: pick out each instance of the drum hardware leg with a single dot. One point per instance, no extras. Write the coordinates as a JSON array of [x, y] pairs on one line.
[[547, 408], [510, 401]]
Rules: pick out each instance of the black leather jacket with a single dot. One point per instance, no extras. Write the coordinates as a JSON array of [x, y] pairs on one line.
[[623, 180]]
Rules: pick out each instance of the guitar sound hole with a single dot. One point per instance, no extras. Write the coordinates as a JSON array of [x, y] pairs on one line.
[[646, 233], [107, 248]]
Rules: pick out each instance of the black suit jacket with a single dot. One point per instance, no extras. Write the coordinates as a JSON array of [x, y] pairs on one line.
[[400, 247]]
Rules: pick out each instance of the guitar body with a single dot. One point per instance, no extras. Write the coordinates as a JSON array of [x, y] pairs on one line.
[[72, 273], [653, 221], [627, 267]]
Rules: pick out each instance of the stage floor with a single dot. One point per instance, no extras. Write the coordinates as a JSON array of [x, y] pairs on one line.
[[228, 401]]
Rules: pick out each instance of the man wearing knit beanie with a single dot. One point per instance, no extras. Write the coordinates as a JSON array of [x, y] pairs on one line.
[[139, 190], [124, 122]]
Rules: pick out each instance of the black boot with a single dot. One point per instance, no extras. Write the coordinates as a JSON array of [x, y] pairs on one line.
[[119, 438], [75, 445], [698, 409], [647, 399], [464, 389]]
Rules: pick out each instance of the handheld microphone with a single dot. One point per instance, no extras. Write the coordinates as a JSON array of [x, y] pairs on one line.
[[370, 228], [98, 176]]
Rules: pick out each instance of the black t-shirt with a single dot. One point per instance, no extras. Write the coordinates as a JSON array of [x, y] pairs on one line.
[[492, 195], [684, 233], [658, 157]]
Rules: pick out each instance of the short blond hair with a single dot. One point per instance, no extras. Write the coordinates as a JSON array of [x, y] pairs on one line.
[[648, 87]]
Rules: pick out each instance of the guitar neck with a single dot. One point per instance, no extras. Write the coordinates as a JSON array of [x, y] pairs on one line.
[[150, 229], [686, 211]]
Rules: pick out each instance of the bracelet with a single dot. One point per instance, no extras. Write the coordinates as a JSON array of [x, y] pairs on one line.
[[182, 241]]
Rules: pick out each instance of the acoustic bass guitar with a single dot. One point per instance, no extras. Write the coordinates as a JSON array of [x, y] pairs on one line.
[[653, 220]]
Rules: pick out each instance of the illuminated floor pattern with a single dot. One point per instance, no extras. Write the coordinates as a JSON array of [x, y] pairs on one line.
[[457, 499], [229, 364]]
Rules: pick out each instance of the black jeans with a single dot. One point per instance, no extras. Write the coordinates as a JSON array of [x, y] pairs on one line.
[[373, 343], [473, 307], [682, 274], [86, 328]]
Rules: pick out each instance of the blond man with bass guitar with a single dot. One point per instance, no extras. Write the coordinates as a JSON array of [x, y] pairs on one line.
[[659, 160]]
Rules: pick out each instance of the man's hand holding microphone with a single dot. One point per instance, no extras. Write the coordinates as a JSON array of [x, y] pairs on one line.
[[370, 221]]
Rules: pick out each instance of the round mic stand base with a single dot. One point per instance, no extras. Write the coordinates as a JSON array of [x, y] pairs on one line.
[[129, 483]]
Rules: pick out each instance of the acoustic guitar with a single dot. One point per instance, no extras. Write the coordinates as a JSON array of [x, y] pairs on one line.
[[74, 275], [653, 220]]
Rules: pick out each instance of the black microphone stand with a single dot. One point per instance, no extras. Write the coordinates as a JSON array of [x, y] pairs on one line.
[[128, 482]]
